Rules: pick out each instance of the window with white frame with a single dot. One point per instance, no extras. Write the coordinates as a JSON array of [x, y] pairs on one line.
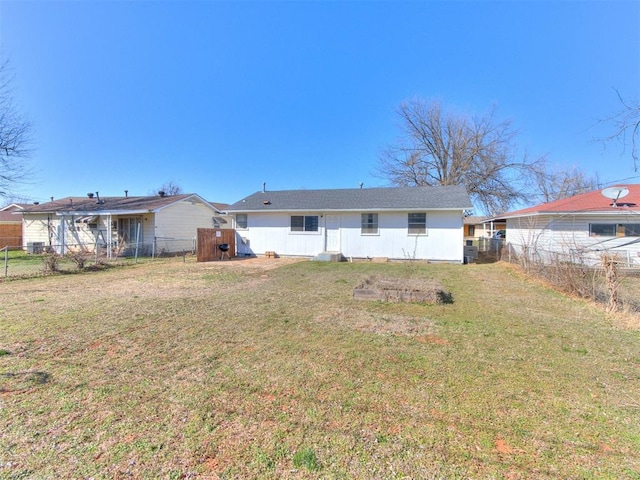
[[369, 224], [417, 223], [242, 220], [304, 223]]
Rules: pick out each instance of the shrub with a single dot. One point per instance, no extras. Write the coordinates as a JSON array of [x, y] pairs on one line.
[[50, 262], [79, 257]]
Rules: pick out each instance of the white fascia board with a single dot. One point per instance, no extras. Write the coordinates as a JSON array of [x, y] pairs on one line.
[[103, 213], [191, 198], [591, 213], [350, 210]]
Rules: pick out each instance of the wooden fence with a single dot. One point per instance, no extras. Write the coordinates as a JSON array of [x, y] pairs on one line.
[[208, 241], [10, 235]]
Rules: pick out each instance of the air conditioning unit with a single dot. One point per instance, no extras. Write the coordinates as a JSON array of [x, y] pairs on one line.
[[35, 247]]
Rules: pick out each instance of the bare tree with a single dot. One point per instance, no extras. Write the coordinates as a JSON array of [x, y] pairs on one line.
[[440, 148], [9, 199], [554, 184], [626, 126], [168, 188], [15, 136]]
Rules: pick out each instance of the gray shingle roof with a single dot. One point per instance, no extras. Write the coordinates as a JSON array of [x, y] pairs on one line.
[[400, 198], [109, 204]]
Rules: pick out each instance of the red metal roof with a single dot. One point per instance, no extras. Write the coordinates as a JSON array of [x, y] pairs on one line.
[[591, 202]]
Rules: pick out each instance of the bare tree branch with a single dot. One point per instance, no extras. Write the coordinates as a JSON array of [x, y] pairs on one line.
[[626, 127], [15, 137], [438, 148], [168, 188], [556, 183]]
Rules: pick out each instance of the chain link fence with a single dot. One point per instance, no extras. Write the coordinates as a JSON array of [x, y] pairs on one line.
[[40, 259], [610, 277]]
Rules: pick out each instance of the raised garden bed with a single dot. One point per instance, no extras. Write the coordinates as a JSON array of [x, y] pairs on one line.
[[408, 290]]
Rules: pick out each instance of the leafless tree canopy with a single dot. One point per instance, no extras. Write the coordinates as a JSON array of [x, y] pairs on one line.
[[555, 184], [168, 188], [626, 127], [439, 148], [15, 137]]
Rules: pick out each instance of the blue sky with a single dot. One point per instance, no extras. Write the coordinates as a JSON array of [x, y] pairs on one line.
[[220, 97]]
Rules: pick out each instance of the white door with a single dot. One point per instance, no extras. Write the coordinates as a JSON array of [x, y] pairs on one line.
[[332, 232]]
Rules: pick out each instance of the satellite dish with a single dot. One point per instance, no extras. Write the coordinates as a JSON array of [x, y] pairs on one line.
[[615, 193]]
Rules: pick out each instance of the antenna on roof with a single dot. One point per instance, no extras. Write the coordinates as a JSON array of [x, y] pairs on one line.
[[615, 193], [264, 187]]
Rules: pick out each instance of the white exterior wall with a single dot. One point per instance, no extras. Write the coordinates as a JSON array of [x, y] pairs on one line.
[[443, 240], [35, 229], [177, 225], [170, 229], [73, 234], [569, 235], [80, 234]]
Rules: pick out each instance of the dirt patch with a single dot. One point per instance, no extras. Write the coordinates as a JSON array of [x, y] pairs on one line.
[[410, 290], [259, 263]]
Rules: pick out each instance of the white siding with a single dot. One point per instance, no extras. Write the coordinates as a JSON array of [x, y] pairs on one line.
[[170, 229], [443, 240], [35, 228], [53, 230], [177, 225], [569, 236]]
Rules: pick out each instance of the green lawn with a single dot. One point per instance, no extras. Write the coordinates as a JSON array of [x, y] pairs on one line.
[[219, 370]]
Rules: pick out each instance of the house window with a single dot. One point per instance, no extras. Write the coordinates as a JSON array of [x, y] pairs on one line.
[[369, 224], [128, 228], [417, 223], [632, 229], [614, 230], [304, 223], [242, 220], [471, 230]]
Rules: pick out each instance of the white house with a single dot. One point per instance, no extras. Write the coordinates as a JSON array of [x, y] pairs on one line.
[[146, 225], [580, 228], [397, 223]]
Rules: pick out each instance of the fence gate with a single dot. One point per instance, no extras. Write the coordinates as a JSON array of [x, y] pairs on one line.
[[208, 241]]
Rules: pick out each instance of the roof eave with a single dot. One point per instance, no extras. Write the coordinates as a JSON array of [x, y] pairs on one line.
[[368, 209], [102, 212], [617, 211]]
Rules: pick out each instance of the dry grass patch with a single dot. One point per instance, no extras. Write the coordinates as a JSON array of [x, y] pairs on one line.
[[378, 323], [273, 370]]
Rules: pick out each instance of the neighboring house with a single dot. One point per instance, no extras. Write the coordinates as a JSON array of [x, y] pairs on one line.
[[396, 223], [221, 220], [11, 225], [120, 225], [478, 228], [579, 228], [473, 228]]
